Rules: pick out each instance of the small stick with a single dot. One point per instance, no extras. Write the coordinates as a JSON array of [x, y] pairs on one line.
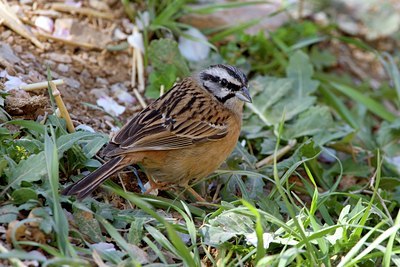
[[81, 10], [280, 153], [124, 188], [139, 98], [40, 85], [139, 58], [215, 197], [11, 20], [162, 89], [15, 261], [62, 108], [68, 42], [133, 72]]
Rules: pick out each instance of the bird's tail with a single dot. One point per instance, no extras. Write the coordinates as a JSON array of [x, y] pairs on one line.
[[86, 185]]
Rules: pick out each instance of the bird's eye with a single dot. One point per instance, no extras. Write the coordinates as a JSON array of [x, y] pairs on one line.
[[224, 82]]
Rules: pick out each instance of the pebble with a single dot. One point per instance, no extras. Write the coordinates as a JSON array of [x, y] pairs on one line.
[[62, 67], [102, 81], [7, 53], [72, 82], [61, 58]]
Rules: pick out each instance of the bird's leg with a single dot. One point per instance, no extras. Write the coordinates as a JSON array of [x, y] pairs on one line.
[[195, 194], [155, 185]]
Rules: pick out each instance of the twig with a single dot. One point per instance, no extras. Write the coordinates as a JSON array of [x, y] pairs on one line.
[[14, 261], [137, 66], [140, 67], [40, 85], [81, 10], [66, 41], [124, 188], [62, 108], [10, 19], [139, 98], [219, 186], [280, 153], [162, 89], [133, 72], [97, 259]]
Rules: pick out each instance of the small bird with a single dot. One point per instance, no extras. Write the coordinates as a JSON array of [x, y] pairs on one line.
[[183, 136]]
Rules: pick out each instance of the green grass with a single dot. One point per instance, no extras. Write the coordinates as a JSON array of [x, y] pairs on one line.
[[332, 199]]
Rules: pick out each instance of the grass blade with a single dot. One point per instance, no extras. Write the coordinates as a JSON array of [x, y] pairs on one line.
[[370, 103], [61, 223]]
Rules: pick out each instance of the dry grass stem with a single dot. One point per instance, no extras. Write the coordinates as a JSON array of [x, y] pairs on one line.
[[68, 42], [140, 68], [15, 261], [81, 10], [133, 72], [40, 85], [139, 98], [162, 89], [10, 19], [62, 108], [279, 154]]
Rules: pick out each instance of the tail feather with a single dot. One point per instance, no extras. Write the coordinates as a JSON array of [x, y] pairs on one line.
[[86, 185]]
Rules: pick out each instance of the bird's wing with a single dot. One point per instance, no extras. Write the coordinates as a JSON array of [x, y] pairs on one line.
[[171, 122]]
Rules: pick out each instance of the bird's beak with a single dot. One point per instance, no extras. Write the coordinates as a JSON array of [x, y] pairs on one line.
[[244, 94]]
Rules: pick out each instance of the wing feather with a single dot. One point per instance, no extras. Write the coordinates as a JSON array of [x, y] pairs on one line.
[[159, 128]]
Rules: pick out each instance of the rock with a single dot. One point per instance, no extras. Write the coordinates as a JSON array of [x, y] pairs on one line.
[[7, 54], [62, 67], [71, 82], [21, 103], [57, 57], [82, 33]]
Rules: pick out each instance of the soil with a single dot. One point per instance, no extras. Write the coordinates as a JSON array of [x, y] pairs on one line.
[[87, 73]]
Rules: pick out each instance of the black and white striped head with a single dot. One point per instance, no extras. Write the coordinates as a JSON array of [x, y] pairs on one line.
[[226, 83]]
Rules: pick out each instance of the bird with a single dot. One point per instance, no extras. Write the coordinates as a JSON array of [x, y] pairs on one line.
[[181, 137]]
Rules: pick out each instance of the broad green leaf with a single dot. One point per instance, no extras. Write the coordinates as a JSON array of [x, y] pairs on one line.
[[254, 186], [135, 234], [31, 145], [388, 136], [266, 92], [225, 226], [168, 64], [273, 97], [66, 141], [30, 170], [94, 145], [22, 195], [30, 125], [322, 58], [301, 70], [312, 122], [8, 213], [88, 225]]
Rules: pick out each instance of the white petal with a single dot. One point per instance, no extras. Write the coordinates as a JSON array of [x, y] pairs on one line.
[[3, 74], [103, 246], [85, 128], [119, 35], [136, 40], [44, 23], [252, 239], [194, 49], [142, 20], [13, 83], [110, 105]]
